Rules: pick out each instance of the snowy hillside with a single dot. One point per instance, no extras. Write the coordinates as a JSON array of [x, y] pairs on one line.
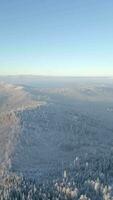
[[56, 140]]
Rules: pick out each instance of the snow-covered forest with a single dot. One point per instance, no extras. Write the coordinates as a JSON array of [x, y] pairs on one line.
[[56, 140], [82, 180]]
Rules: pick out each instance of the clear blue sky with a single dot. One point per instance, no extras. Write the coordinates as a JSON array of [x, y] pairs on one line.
[[56, 37]]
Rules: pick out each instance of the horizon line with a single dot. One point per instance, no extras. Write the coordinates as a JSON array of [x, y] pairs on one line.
[[64, 76]]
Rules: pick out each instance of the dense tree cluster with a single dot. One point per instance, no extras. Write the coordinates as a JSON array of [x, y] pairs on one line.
[[83, 180]]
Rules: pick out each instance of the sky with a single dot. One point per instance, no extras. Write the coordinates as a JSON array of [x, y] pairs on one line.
[[56, 37]]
